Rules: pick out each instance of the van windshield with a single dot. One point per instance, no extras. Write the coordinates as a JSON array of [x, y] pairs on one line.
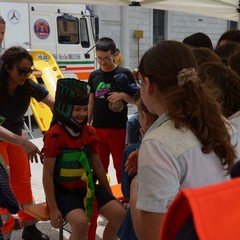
[[68, 29]]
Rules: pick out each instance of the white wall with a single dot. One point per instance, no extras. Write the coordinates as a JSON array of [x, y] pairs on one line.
[[178, 26], [181, 25], [111, 25]]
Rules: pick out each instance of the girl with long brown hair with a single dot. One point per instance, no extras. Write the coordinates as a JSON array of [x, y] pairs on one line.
[[189, 145]]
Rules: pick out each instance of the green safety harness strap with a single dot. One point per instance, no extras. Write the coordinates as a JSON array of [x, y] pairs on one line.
[[87, 177]]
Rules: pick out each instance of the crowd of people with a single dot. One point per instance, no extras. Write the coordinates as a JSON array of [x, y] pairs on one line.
[[185, 135]]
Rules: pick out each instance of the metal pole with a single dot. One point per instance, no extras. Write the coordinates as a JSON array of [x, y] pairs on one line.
[[125, 35]]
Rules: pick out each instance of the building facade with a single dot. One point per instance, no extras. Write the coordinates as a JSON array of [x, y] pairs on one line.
[[136, 29]]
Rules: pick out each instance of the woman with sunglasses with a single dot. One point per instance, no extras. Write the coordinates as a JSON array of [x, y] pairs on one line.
[[16, 90]]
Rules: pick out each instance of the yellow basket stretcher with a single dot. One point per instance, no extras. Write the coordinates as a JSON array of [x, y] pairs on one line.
[[50, 73]]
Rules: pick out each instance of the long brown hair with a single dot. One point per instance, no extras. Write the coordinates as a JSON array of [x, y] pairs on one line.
[[234, 62], [192, 104], [228, 83], [203, 55]]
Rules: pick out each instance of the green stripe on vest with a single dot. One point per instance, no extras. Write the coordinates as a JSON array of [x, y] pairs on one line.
[[72, 165]]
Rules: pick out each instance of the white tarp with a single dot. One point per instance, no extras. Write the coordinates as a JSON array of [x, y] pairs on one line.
[[226, 9]]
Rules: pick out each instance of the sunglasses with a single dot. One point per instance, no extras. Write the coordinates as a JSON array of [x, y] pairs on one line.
[[24, 71], [104, 59]]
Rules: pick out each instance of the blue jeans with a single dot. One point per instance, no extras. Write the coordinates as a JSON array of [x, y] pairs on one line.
[[126, 231], [126, 179]]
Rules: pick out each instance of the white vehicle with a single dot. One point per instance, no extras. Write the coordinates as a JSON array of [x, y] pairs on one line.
[[67, 31]]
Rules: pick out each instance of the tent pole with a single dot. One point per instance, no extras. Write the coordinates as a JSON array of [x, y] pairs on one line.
[[125, 36]]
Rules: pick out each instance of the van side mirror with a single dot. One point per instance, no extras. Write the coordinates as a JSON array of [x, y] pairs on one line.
[[95, 24], [96, 29]]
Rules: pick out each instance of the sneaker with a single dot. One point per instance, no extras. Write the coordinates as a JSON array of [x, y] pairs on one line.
[[7, 198], [32, 233]]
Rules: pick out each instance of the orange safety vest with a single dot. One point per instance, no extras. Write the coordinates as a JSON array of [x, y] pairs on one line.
[[215, 210]]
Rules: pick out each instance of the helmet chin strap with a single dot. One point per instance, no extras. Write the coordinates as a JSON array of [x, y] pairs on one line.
[[70, 131], [74, 129]]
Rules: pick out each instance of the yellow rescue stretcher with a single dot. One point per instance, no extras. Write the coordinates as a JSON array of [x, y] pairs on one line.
[[50, 73]]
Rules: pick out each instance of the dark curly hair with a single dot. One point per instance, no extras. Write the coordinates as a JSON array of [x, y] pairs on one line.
[[11, 58]]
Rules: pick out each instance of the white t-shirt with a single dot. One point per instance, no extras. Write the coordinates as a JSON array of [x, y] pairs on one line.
[[171, 159], [235, 120]]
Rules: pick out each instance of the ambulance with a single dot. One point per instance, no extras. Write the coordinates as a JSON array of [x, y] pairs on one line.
[[67, 31]]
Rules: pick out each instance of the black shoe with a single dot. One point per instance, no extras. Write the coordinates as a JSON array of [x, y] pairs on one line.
[[32, 233], [17, 224]]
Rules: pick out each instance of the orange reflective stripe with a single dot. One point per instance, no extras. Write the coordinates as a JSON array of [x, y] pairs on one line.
[[83, 75]]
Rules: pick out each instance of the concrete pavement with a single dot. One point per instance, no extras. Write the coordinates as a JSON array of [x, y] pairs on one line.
[[39, 196]]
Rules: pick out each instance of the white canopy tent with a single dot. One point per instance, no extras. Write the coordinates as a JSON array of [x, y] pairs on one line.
[[227, 9]]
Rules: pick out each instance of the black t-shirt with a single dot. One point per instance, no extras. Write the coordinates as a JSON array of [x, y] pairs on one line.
[[14, 108], [100, 83]]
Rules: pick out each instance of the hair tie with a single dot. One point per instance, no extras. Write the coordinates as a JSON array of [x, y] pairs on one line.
[[185, 75]]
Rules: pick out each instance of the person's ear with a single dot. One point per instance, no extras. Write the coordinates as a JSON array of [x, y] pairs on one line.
[[148, 85]]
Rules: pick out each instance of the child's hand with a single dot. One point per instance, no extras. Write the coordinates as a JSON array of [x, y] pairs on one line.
[[114, 97], [56, 219], [131, 163]]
